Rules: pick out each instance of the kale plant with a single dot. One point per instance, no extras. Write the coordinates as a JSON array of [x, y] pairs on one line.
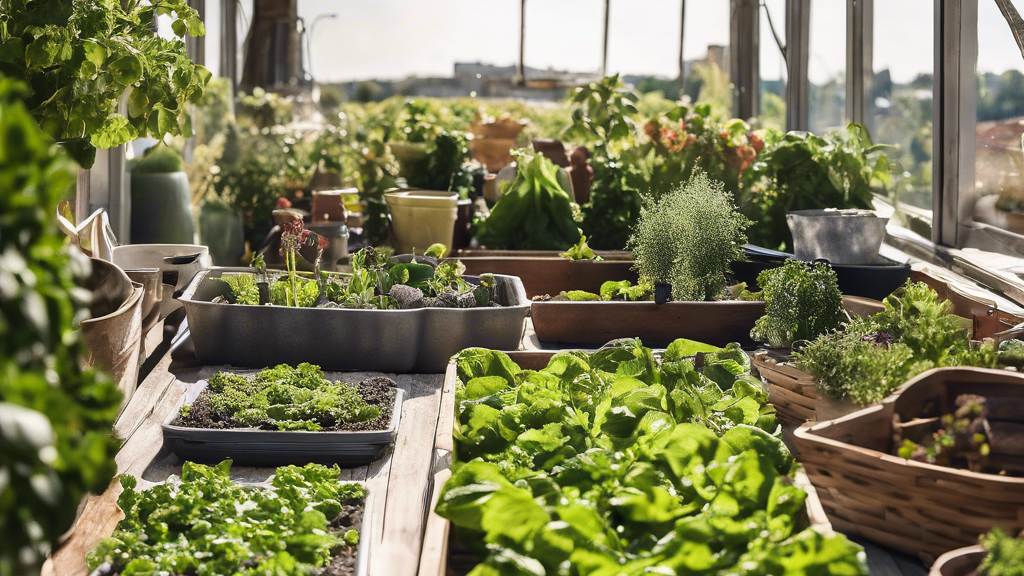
[[802, 302], [207, 524], [619, 463], [688, 238], [56, 445]]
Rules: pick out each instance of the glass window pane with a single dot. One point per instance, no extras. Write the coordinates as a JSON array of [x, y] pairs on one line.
[[705, 54], [212, 39], [900, 99], [999, 160], [773, 65], [826, 66]]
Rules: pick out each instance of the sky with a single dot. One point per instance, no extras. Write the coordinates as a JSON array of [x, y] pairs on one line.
[[391, 39]]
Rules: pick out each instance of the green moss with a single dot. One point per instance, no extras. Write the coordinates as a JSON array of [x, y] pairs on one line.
[[581, 296]]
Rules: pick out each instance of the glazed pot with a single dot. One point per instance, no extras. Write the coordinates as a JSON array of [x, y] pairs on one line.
[[421, 218], [839, 236], [161, 209]]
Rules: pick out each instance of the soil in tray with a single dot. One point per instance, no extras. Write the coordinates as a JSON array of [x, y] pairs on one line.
[[378, 391], [345, 558]]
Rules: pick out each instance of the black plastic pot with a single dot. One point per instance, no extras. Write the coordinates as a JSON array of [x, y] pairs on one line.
[[874, 281], [662, 292]]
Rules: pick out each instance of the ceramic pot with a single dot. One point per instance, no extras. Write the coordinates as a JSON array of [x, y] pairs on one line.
[[220, 228], [421, 218], [161, 212], [839, 236]]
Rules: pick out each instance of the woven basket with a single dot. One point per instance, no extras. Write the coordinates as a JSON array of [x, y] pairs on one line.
[[961, 562], [792, 391], [911, 506]]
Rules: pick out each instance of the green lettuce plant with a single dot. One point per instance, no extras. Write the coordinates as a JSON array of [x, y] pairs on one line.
[[56, 444], [620, 463], [80, 57]]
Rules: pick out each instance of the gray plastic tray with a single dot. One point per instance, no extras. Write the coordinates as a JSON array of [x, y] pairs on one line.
[[398, 341], [251, 447], [362, 555]]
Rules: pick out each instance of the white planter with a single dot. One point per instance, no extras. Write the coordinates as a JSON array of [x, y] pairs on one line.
[[421, 218]]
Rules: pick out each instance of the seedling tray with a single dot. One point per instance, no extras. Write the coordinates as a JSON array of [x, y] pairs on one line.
[[715, 323], [395, 341], [252, 447]]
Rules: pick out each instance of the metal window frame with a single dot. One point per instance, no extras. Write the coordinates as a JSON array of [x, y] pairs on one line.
[[798, 40], [745, 56], [860, 40]]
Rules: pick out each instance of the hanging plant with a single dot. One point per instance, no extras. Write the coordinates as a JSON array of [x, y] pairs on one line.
[[80, 57]]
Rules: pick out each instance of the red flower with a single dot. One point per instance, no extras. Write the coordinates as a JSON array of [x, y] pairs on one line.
[[323, 243], [651, 129], [283, 203], [669, 135], [756, 142], [682, 125], [724, 134], [690, 139]]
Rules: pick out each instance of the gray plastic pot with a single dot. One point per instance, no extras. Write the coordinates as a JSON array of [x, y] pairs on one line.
[[397, 341], [161, 209], [221, 229], [839, 236]]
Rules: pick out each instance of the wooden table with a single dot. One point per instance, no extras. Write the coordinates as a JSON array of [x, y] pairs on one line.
[[398, 484]]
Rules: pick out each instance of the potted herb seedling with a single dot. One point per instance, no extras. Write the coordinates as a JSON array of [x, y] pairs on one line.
[[998, 554]]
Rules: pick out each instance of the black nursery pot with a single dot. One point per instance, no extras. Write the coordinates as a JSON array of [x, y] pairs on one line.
[[662, 292]]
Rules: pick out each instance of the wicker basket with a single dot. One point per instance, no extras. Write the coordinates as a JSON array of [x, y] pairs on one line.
[[961, 562], [792, 391], [915, 507]]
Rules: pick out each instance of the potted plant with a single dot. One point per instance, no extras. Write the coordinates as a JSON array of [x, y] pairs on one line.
[[161, 198], [83, 58], [59, 415], [684, 241], [998, 554]]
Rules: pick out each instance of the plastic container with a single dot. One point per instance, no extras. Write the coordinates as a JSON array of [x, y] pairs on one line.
[[251, 447], [422, 217]]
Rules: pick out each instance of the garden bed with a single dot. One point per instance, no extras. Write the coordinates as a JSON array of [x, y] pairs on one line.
[[913, 506], [399, 341], [197, 433]]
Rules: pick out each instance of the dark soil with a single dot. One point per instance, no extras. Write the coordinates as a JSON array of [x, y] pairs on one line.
[[344, 561], [377, 391]]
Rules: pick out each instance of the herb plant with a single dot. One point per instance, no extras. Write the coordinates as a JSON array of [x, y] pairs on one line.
[[81, 56], [534, 213], [446, 166], [56, 446], [688, 238], [581, 251], [1004, 554], [619, 463], [802, 302], [286, 398], [206, 524], [867, 359]]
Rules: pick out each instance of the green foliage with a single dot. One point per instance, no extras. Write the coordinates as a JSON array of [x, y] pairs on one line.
[[869, 358], [56, 444], [241, 289], [581, 251], [1004, 554], [159, 159], [688, 238], [535, 213], [208, 524], [80, 56], [803, 171], [617, 463], [285, 398], [250, 179], [446, 166], [802, 302]]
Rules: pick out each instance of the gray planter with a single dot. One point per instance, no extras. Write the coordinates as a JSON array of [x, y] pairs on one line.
[[161, 209], [839, 236]]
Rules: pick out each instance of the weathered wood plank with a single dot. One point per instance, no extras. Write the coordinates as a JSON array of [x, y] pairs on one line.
[[434, 555], [410, 478]]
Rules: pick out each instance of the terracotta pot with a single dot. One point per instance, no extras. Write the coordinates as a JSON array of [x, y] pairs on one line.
[[114, 339], [494, 153]]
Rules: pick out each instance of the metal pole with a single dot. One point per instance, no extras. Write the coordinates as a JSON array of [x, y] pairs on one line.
[[745, 56], [859, 59], [521, 71], [604, 45], [229, 41], [682, 36], [798, 39]]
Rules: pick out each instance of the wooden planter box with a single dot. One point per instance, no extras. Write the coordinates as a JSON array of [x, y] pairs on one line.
[[442, 554], [595, 323], [962, 562], [545, 272], [914, 507]]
